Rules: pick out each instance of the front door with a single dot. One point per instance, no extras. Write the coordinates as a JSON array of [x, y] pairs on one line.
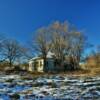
[[35, 66]]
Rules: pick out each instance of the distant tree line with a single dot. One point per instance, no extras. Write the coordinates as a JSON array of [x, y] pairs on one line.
[[65, 41]]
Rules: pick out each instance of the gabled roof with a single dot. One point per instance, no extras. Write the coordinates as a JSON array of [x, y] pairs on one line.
[[49, 55], [35, 58]]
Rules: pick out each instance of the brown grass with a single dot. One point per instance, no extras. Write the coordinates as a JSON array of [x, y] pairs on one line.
[[89, 71], [78, 73]]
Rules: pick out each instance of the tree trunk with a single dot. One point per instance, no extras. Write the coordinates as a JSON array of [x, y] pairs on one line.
[[45, 69], [10, 64]]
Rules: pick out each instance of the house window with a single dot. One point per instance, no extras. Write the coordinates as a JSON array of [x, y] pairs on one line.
[[36, 64], [41, 63]]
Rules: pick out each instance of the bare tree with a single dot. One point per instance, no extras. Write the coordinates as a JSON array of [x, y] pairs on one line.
[[11, 50], [76, 48], [63, 41], [59, 32], [67, 41], [41, 45]]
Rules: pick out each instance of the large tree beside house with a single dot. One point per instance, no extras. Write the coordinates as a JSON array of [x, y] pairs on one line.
[[59, 42], [2, 38], [77, 44], [62, 40], [67, 41], [41, 45]]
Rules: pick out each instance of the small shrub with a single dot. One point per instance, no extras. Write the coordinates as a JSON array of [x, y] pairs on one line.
[[10, 80], [15, 96], [53, 85], [38, 84]]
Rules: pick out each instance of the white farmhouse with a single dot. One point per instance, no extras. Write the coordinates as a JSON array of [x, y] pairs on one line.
[[36, 64]]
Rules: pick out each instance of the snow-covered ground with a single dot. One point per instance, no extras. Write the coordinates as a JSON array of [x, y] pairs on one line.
[[13, 87]]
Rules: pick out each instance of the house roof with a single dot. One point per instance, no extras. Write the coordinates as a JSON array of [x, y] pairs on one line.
[[34, 58], [49, 55]]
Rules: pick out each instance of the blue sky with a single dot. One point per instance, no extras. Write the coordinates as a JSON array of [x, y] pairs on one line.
[[20, 18]]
